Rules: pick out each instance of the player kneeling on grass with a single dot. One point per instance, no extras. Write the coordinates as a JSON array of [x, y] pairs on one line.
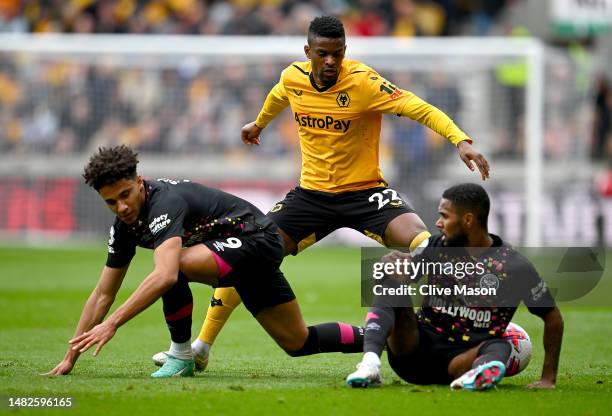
[[198, 234], [457, 338]]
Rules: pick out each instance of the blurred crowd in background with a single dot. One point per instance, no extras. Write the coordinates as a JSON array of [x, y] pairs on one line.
[[65, 107], [249, 17], [54, 105]]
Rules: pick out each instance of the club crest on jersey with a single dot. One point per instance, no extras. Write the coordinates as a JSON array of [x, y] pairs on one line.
[[159, 223], [297, 92], [489, 281], [343, 99], [326, 122]]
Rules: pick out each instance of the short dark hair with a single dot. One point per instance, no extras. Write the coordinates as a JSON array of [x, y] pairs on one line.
[[471, 197], [325, 27], [109, 165]]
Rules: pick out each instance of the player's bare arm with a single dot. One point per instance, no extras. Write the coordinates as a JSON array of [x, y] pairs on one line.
[[163, 277], [553, 335], [468, 154], [95, 309], [250, 133]]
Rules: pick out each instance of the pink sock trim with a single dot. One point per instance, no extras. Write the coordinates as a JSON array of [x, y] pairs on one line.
[[371, 315], [346, 333], [223, 267]]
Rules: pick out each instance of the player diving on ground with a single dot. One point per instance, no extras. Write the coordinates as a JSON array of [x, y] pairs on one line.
[[198, 234]]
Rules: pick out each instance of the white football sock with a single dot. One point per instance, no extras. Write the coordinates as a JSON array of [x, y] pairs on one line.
[[181, 350], [371, 358], [199, 347]]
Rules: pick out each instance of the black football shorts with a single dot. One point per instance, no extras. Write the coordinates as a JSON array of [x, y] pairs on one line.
[[307, 216], [429, 364], [254, 260]]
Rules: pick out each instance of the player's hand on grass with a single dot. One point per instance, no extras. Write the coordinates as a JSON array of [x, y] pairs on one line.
[[542, 384], [61, 369], [250, 133], [99, 334], [470, 156]]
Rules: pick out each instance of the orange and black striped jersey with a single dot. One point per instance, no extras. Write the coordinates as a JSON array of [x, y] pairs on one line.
[[339, 126]]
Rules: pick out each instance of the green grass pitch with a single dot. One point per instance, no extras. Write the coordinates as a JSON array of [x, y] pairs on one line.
[[42, 293]]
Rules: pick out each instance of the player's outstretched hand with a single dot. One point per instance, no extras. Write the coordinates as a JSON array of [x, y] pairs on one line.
[[542, 384], [63, 368], [250, 133], [99, 334], [468, 154]]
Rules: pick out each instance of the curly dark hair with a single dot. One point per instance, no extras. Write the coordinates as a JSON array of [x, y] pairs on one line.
[[470, 197], [325, 27], [109, 165]]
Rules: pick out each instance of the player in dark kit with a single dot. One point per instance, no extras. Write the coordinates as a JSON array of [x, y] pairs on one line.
[[337, 105], [456, 337], [198, 234]]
